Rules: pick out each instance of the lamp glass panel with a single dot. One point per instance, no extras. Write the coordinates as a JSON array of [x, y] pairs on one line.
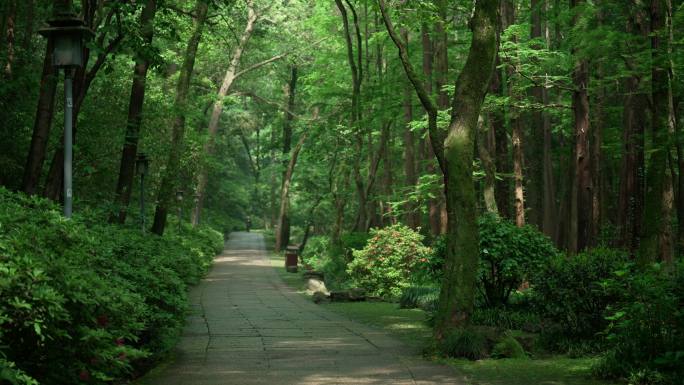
[[68, 51]]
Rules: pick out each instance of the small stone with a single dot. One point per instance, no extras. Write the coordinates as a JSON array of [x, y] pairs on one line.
[[320, 296]]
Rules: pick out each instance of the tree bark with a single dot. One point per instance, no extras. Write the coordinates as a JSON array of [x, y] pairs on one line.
[[41, 125], [169, 179], [485, 132], [10, 36], [124, 184], [228, 80], [438, 211], [281, 242], [410, 171], [654, 224], [456, 156], [580, 205], [283, 231]]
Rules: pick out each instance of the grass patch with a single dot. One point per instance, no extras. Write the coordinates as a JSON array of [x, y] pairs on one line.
[[293, 280], [407, 325], [546, 371]]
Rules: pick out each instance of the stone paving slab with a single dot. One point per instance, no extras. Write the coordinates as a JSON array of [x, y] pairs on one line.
[[247, 327]]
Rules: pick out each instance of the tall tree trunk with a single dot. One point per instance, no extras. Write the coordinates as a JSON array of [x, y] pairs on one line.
[[518, 158], [680, 167], [281, 242], [457, 295], [456, 157], [581, 207], [438, 209], [357, 77], [10, 28], [502, 189], [124, 185], [654, 224], [485, 135], [542, 128], [413, 215], [41, 125], [169, 179], [228, 80], [283, 231], [631, 190]]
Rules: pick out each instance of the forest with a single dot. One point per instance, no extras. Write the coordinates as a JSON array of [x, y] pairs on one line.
[[514, 169]]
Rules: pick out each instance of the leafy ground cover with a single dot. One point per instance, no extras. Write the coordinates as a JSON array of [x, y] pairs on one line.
[[84, 301]]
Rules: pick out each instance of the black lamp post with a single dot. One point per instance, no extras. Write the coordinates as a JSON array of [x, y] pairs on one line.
[[179, 198], [67, 32], [141, 164]]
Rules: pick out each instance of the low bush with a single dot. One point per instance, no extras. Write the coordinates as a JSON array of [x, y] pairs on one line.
[[464, 343], [508, 256], [385, 266], [348, 243], [319, 254], [508, 347], [507, 318], [571, 299], [423, 297], [88, 302], [645, 333]]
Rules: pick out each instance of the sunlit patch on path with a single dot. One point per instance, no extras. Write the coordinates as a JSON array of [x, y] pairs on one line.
[[247, 327]]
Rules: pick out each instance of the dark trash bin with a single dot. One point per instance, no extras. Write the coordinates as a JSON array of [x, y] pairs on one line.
[[291, 260]]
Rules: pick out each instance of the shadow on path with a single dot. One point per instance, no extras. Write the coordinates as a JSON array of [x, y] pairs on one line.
[[247, 327]]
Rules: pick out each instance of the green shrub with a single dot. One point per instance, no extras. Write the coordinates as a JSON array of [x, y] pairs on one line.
[[571, 299], [423, 297], [506, 318], [464, 343], [81, 301], [316, 252], [508, 347], [348, 243], [385, 266], [646, 326], [319, 254], [508, 255]]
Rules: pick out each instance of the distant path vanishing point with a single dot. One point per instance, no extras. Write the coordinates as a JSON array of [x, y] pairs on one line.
[[247, 327]]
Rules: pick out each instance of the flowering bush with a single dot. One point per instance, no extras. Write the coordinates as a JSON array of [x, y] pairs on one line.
[[87, 302], [386, 265]]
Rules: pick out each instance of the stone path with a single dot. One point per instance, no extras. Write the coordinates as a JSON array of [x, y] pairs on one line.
[[247, 327]]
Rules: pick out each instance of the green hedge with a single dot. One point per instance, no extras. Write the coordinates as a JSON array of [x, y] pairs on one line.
[[84, 301]]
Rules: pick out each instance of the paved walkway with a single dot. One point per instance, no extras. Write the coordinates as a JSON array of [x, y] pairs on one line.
[[247, 327]]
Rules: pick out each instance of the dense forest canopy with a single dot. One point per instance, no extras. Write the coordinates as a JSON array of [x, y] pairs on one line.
[[332, 118]]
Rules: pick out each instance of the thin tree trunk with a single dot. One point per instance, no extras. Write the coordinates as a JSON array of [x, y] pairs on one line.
[[412, 213], [10, 37], [124, 185], [282, 242], [169, 179], [283, 231], [438, 209], [228, 80], [41, 125], [654, 224], [484, 131], [581, 207]]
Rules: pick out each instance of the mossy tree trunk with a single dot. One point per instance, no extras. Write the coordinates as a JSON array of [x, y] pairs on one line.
[[455, 156]]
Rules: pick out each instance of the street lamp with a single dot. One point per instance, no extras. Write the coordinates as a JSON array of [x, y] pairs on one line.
[[67, 32], [141, 165], [179, 198]]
